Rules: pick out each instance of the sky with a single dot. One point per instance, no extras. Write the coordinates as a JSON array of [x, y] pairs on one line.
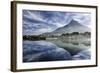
[[38, 22]]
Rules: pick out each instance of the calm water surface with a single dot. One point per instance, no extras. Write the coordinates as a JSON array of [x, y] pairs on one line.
[[54, 50]]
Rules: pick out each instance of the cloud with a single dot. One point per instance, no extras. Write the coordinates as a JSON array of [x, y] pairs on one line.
[[38, 22], [83, 18], [34, 15]]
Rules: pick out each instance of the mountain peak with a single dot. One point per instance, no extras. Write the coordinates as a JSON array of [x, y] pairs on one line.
[[73, 23], [73, 26]]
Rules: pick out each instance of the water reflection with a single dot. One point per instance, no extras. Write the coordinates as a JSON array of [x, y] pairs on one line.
[[75, 43], [43, 51], [34, 51]]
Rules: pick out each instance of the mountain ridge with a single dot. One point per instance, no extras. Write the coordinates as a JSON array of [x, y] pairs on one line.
[[73, 26]]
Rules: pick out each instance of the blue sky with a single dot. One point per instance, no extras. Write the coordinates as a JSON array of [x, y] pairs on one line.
[[38, 22]]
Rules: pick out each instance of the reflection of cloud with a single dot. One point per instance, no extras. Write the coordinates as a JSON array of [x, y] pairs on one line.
[[37, 22], [85, 54], [43, 51]]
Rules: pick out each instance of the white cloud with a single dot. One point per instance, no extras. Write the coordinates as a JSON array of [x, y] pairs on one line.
[[35, 16], [47, 24], [83, 18]]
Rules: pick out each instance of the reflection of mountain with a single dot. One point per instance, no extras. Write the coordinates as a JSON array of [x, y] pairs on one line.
[[73, 26], [39, 51]]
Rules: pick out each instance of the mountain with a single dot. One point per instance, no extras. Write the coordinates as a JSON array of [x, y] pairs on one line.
[[73, 26]]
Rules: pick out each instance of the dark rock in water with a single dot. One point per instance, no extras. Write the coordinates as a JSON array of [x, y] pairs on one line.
[[85, 54], [35, 51]]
